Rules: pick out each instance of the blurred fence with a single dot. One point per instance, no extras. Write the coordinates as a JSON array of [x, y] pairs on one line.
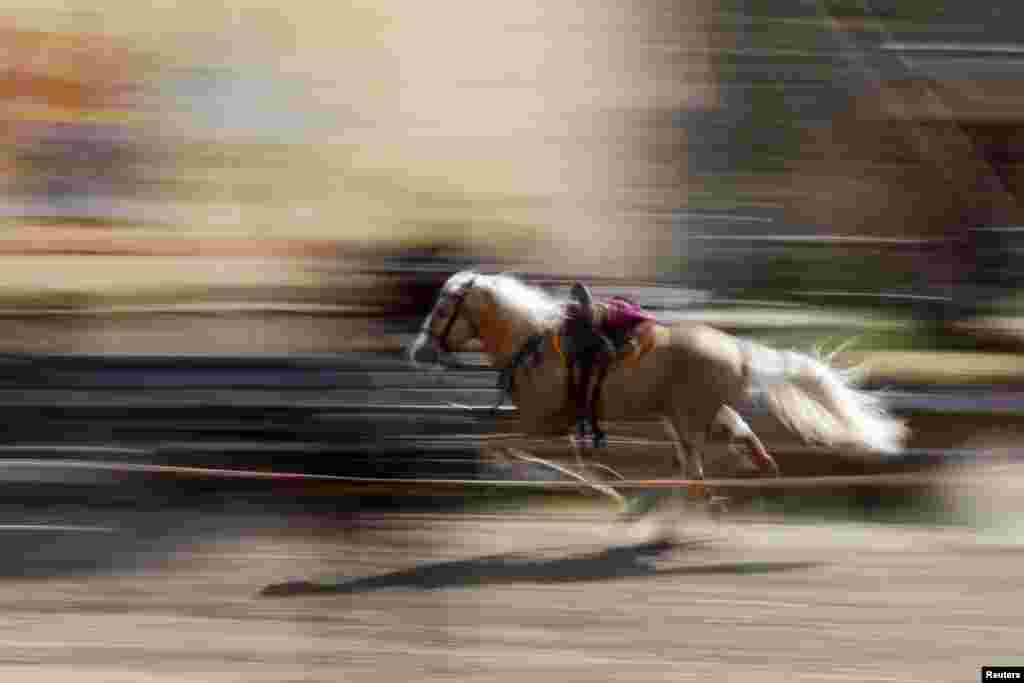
[[129, 424]]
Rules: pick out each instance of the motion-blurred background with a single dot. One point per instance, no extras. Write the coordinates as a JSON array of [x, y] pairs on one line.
[[221, 222], [860, 158]]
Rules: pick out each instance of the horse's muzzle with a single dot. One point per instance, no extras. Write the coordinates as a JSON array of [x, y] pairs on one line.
[[422, 351]]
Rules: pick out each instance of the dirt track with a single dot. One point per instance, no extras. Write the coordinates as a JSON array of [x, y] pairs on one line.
[[553, 596]]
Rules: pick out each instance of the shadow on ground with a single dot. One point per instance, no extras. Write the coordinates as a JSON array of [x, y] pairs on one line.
[[621, 562]]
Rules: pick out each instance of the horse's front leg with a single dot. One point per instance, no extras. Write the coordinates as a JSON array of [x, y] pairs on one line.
[[584, 481], [687, 444], [738, 430], [554, 427]]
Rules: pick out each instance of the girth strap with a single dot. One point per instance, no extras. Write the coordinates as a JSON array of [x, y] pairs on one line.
[[507, 376]]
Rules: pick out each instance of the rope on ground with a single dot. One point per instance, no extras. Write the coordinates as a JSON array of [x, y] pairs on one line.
[[893, 479]]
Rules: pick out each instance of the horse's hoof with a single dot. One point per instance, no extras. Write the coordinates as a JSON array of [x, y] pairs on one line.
[[600, 440]]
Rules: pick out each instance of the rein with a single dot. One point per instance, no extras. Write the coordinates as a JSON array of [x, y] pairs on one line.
[[506, 377], [459, 297]]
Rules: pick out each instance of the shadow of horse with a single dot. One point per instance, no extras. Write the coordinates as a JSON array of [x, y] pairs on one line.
[[621, 562]]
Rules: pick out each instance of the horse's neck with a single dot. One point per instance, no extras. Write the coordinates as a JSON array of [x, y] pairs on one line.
[[503, 334]]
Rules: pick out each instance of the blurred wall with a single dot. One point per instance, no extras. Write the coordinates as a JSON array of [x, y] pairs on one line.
[[916, 160], [540, 132]]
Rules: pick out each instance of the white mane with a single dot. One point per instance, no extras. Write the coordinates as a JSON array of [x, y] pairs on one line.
[[531, 302]]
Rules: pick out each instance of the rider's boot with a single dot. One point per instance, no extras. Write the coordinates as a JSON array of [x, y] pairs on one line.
[[581, 429]]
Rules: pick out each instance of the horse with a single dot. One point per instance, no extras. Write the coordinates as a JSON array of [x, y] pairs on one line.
[[692, 378]]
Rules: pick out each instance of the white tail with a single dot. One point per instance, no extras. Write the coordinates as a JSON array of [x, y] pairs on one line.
[[819, 403]]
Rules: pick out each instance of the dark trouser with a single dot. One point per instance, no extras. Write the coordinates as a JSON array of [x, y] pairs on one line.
[[589, 351]]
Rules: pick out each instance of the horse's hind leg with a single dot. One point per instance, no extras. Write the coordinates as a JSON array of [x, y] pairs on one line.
[[738, 430]]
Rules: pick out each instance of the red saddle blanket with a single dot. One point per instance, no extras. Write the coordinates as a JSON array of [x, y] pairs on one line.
[[628, 326], [616, 317], [632, 330]]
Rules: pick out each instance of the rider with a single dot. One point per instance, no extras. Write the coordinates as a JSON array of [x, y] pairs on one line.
[[588, 349]]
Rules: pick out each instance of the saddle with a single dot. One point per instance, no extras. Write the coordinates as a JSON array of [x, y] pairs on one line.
[[593, 336]]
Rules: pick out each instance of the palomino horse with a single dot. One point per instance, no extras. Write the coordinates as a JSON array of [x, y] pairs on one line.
[[692, 377]]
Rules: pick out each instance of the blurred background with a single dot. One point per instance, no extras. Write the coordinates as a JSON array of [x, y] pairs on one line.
[[850, 158], [221, 222]]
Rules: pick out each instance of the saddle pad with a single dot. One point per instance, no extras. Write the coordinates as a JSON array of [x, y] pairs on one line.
[[645, 338]]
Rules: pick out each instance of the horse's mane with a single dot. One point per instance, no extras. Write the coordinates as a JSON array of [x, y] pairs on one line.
[[532, 302]]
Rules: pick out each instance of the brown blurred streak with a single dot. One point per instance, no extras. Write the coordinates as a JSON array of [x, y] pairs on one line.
[[93, 67], [906, 162], [55, 240]]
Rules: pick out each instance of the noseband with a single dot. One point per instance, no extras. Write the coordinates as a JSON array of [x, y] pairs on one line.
[[459, 297]]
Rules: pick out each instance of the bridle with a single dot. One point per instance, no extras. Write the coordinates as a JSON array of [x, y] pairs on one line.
[[506, 378], [458, 296]]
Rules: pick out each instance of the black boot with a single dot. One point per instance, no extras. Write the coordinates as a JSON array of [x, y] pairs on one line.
[[581, 428]]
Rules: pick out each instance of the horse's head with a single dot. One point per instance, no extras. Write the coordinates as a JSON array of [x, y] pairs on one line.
[[453, 323]]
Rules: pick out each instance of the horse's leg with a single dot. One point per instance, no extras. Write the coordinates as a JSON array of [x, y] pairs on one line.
[[739, 430], [687, 448], [583, 465], [505, 452], [689, 443], [596, 486], [687, 456]]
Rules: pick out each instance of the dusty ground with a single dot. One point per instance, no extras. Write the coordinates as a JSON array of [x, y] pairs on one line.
[[552, 596]]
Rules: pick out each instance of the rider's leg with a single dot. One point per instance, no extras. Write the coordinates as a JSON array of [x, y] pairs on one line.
[[574, 380], [586, 366], [600, 437]]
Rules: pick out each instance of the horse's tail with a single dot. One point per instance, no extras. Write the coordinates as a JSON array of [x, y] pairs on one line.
[[819, 402]]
